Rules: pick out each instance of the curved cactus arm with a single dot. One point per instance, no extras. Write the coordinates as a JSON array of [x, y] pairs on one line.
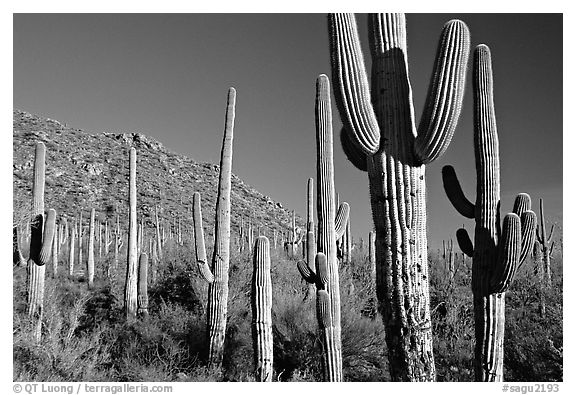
[[509, 254], [551, 233], [306, 272], [351, 87], [48, 238], [464, 242], [341, 219], [445, 93], [522, 203], [455, 194], [354, 154], [201, 260], [321, 270], [528, 223], [551, 249]]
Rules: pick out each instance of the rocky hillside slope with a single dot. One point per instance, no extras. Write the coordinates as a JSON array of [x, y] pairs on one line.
[[85, 170]]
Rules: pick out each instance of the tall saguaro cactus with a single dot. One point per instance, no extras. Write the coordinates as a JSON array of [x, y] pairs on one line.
[[261, 300], [330, 228], [41, 241], [217, 274], [130, 290], [90, 263], [380, 137], [497, 251], [545, 246]]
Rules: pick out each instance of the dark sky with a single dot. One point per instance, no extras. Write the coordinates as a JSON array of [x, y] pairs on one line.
[[166, 75]]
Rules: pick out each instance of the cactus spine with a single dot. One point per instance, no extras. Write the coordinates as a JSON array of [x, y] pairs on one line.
[[91, 249], [41, 241], [130, 291], [217, 275], [497, 252], [143, 285], [380, 136], [262, 310]]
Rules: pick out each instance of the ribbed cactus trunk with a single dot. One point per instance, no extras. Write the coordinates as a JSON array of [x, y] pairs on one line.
[[71, 251], [372, 253], [55, 247], [380, 137], [90, 264], [261, 299], [159, 245], [488, 306], [326, 211], [143, 285], [218, 289], [130, 290], [41, 241], [117, 240], [497, 251], [80, 234], [545, 246]]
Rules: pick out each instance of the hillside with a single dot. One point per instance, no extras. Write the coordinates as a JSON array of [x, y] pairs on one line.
[[85, 170]]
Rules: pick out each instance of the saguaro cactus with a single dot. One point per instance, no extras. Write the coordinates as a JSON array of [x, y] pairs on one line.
[[71, 250], [330, 228], [546, 247], [41, 241], [90, 264], [159, 245], [380, 137], [261, 299], [497, 252], [80, 234], [143, 285], [218, 288], [130, 290]]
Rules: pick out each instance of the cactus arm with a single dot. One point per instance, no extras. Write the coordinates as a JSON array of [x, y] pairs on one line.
[[306, 272], [341, 219], [522, 203], [48, 238], [351, 88], [528, 221], [551, 233], [551, 249], [455, 194], [445, 93], [354, 154], [509, 254], [464, 242], [201, 260]]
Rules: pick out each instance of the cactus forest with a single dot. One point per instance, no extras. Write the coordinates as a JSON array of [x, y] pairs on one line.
[[366, 260]]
